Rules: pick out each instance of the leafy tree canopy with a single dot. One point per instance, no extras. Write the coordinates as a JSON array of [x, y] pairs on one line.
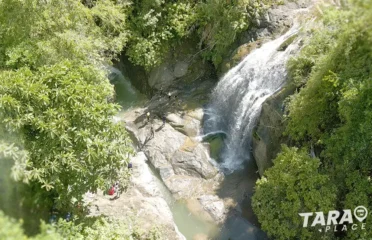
[[54, 95], [292, 186], [64, 120], [99, 229], [332, 112]]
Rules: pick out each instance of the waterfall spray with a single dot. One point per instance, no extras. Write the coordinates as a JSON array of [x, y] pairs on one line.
[[236, 100]]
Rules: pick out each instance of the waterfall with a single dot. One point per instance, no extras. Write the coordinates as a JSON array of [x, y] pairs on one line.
[[236, 100]]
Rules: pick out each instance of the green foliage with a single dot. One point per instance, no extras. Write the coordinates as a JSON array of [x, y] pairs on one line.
[[341, 56], [97, 31], [10, 229], [57, 30], [315, 48], [292, 186], [359, 190], [100, 229], [155, 25], [351, 144], [332, 111], [220, 21], [62, 115]]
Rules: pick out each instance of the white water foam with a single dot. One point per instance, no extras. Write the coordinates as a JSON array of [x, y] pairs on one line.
[[236, 100]]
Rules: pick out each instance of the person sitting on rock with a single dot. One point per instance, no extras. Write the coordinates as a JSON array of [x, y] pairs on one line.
[[111, 191], [164, 118], [117, 189], [152, 132]]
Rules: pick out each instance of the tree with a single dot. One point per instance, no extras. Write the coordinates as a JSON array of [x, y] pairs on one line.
[[220, 22], [97, 229], [331, 110], [53, 95], [65, 124], [42, 33], [293, 185], [155, 27]]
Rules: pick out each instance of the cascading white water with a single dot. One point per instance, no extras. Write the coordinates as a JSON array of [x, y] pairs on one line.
[[237, 98]]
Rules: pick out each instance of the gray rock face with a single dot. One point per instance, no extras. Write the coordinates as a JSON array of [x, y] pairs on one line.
[[273, 23], [214, 206], [180, 69], [268, 134], [143, 201], [161, 77], [172, 152], [183, 162], [181, 66], [279, 18], [193, 160]]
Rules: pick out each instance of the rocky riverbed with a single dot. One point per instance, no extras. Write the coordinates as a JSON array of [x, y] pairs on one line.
[[143, 203], [166, 132]]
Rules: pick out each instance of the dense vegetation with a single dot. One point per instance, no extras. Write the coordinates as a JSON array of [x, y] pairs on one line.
[[99, 229], [156, 26], [331, 113], [56, 107], [56, 101]]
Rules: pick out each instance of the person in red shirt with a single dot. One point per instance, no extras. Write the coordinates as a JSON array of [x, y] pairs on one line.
[[111, 191]]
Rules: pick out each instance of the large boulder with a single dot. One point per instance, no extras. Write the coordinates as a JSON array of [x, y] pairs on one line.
[[167, 146], [180, 68], [214, 206], [143, 201], [238, 55], [183, 162], [268, 134], [161, 77], [172, 152]]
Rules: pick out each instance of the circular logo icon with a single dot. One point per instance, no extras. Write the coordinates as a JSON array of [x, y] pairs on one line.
[[360, 213]]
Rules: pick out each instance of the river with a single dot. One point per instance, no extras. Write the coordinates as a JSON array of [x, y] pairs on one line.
[[233, 109]]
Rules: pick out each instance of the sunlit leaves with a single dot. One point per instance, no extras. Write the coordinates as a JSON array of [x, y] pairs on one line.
[[99, 229], [293, 185], [333, 109], [71, 136], [46, 32]]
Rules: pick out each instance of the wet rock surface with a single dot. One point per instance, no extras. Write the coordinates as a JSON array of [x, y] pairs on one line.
[[143, 202], [268, 134], [161, 76], [183, 163], [170, 135], [271, 24]]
